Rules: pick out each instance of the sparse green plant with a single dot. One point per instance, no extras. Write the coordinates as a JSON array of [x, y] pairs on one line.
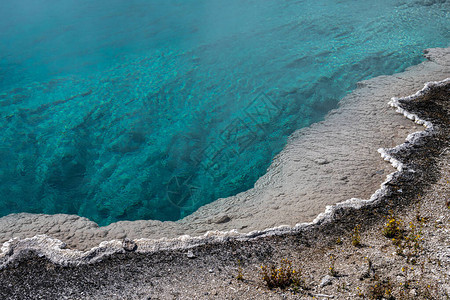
[[406, 284], [428, 291], [343, 287], [331, 269], [282, 277], [393, 227], [379, 289], [399, 246], [421, 219], [370, 268], [339, 241], [410, 244], [359, 292], [240, 275], [422, 288], [356, 236], [414, 239]]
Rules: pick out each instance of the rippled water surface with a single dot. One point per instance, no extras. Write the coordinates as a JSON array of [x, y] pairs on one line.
[[148, 109]]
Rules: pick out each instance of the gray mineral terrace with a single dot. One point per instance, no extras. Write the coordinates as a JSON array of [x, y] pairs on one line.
[[334, 161]]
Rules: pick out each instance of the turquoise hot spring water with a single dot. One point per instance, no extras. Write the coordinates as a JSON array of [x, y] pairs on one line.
[[148, 109]]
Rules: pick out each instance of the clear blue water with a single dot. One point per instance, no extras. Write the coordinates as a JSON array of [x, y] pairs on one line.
[[124, 110]]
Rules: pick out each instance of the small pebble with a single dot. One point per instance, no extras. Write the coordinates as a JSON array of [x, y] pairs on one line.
[[222, 219], [321, 161], [191, 254], [129, 245], [327, 280]]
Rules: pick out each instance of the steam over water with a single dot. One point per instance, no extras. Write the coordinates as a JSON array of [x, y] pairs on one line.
[[124, 110]]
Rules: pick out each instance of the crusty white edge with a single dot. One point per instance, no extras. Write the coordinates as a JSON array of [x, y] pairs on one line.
[[55, 250]]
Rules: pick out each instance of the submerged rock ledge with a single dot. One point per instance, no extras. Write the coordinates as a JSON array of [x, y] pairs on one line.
[[412, 175]]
